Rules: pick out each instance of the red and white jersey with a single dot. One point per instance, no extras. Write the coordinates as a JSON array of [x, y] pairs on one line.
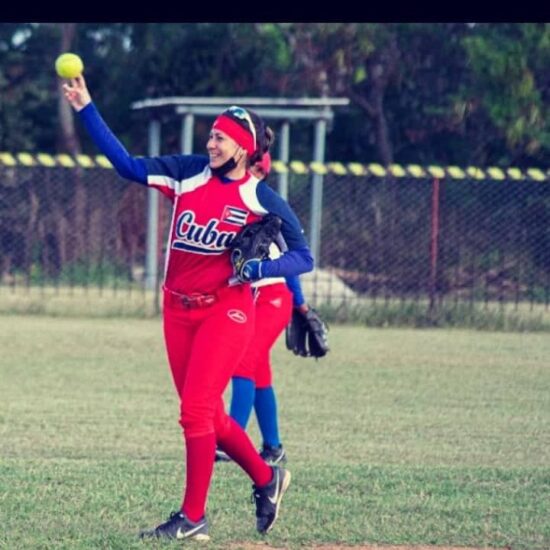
[[207, 214]]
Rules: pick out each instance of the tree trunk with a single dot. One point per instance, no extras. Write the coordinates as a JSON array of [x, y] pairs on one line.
[[69, 139], [70, 144], [381, 67]]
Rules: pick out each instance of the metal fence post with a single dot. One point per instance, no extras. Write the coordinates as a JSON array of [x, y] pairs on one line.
[[151, 258], [187, 133], [317, 191], [434, 243], [284, 157]]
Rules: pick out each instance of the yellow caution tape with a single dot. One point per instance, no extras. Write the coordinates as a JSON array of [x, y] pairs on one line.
[[299, 167], [496, 173], [357, 169], [377, 170], [318, 168], [26, 159]]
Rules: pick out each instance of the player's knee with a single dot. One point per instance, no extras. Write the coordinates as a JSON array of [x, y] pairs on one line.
[[222, 424], [196, 421]]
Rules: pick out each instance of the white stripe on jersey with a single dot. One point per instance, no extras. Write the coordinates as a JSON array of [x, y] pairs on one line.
[[168, 247], [249, 197], [183, 186], [158, 180], [190, 184]]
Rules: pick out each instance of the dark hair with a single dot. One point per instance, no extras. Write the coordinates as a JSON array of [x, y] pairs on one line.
[[265, 137]]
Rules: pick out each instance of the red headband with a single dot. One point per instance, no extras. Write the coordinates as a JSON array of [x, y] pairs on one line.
[[236, 132]]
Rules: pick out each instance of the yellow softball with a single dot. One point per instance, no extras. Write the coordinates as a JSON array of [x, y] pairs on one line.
[[69, 65]]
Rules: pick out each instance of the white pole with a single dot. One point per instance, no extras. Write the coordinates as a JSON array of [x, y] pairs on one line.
[[187, 133], [284, 140], [317, 191], [151, 254]]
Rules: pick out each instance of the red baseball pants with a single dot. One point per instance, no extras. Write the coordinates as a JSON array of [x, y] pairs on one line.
[[204, 346]]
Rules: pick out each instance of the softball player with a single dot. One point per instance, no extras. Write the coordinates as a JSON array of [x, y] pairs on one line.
[[252, 385], [207, 323]]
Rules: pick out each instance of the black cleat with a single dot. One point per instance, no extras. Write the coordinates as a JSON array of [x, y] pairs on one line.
[[273, 455], [222, 456], [179, 527], [268, 499]]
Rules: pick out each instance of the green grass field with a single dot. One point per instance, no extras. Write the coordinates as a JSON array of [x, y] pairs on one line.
[[398, 437], [131, 302]]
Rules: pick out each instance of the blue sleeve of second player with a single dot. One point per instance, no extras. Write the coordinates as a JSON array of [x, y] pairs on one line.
[[298, 258], [291, 229], [295, 287], [293, 262]]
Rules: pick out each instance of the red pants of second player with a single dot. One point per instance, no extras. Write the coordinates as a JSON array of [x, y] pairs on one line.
[[273, 311]]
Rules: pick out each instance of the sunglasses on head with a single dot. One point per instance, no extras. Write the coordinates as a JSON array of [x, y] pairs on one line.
[[243, 114]]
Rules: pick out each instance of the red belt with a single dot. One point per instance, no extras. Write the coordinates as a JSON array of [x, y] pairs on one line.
[[195, 300]]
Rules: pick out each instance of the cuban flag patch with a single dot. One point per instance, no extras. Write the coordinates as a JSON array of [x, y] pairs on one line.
[[234, 215]]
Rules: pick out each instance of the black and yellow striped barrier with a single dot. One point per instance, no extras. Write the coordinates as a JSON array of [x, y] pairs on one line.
[[52, 161], [299, 167]]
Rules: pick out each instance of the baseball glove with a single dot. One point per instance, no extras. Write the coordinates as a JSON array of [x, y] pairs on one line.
[[251, 246], [307, 334]]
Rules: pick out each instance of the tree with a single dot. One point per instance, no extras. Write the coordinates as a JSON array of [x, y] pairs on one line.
[[447, 93], [510, 66], [27, 109]]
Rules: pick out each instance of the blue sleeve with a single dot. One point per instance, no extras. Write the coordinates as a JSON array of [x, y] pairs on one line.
[[298, 258], [295, 287], [126, 166], [176, 167]]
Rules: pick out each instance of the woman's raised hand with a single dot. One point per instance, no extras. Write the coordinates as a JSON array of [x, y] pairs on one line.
[[76, 92]]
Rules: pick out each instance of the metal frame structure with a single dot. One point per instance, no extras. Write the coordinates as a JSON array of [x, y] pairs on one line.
[[285, 110]]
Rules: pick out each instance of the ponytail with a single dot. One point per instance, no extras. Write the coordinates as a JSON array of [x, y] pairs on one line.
[[265, 137]]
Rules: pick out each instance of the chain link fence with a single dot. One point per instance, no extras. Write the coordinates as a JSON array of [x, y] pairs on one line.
[[454, 240], [65, 231]]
